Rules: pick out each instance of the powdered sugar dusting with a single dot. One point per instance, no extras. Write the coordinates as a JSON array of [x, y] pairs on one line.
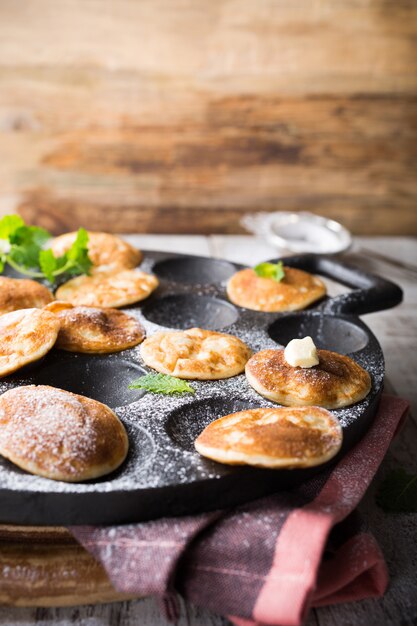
[[55, 433]]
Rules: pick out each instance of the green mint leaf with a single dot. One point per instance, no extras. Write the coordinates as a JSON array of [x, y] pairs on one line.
[[81, 239], [162, 383], [30, 235], [22, 247], [270, 270], [398, 492], [61, 262], [26, 256], [48, 263], [24, 243], [78, 254], [9, 224]]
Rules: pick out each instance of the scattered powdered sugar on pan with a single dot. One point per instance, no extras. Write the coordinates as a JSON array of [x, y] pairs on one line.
[[161, 429]]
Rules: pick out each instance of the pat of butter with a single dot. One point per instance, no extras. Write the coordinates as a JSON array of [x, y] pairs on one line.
[[301, 353]]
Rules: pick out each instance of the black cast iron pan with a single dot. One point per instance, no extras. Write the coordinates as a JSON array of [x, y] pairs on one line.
[[163, 474]]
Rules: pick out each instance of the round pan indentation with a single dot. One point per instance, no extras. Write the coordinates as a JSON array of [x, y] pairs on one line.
[[187, 422], [194, 270], [188, 311], [97, 377], [328, 332], [140, 455]]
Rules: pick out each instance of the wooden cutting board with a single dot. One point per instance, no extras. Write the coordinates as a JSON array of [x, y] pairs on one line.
[[45, 566]]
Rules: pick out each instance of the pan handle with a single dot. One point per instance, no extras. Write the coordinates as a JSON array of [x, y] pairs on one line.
[[370, 293]]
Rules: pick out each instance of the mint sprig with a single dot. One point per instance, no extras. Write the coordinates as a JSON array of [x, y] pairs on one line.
[[398, 492], [270, 270], [162, 383], [22, 247], [75, 261]]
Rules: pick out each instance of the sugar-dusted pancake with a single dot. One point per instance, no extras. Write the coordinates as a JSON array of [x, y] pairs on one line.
[[95, 330], [107, 252], [335, 382], [274, 438], [21, 293], [295, 291], [60, 435], [25, 336], [195, 354], [108, 290]]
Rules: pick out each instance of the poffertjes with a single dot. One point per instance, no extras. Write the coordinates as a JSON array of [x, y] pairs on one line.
[[273, 438], [195, 354], [108, 290], [22, 293], [337, 381], [107, 252], [60, 435], [295, 291], [95, 330], [25, 336]]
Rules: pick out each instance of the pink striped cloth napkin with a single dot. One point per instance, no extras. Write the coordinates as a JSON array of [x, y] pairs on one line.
[[266, 562]]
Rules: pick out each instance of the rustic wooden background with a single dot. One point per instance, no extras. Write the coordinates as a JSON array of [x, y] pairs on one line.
[[181, 115]]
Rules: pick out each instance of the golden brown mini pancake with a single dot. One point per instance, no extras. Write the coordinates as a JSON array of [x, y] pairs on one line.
[[21, 293], [108, 290], [95, 330], [107, 252], [295, 291], [274, 438], [195, 354], [335, 382], [60, 435], [25, 336]]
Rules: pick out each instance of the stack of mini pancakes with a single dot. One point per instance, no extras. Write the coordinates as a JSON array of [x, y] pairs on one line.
[[64, 436]]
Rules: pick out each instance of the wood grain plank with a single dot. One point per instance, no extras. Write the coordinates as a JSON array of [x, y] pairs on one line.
[[34, 572], [351, 159], [220, 43], [396, 329], [145, 612], [181, 115], [197, 245]]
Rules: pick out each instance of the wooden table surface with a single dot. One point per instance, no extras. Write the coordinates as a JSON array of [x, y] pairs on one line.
[[182, 115], [397, 332]]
